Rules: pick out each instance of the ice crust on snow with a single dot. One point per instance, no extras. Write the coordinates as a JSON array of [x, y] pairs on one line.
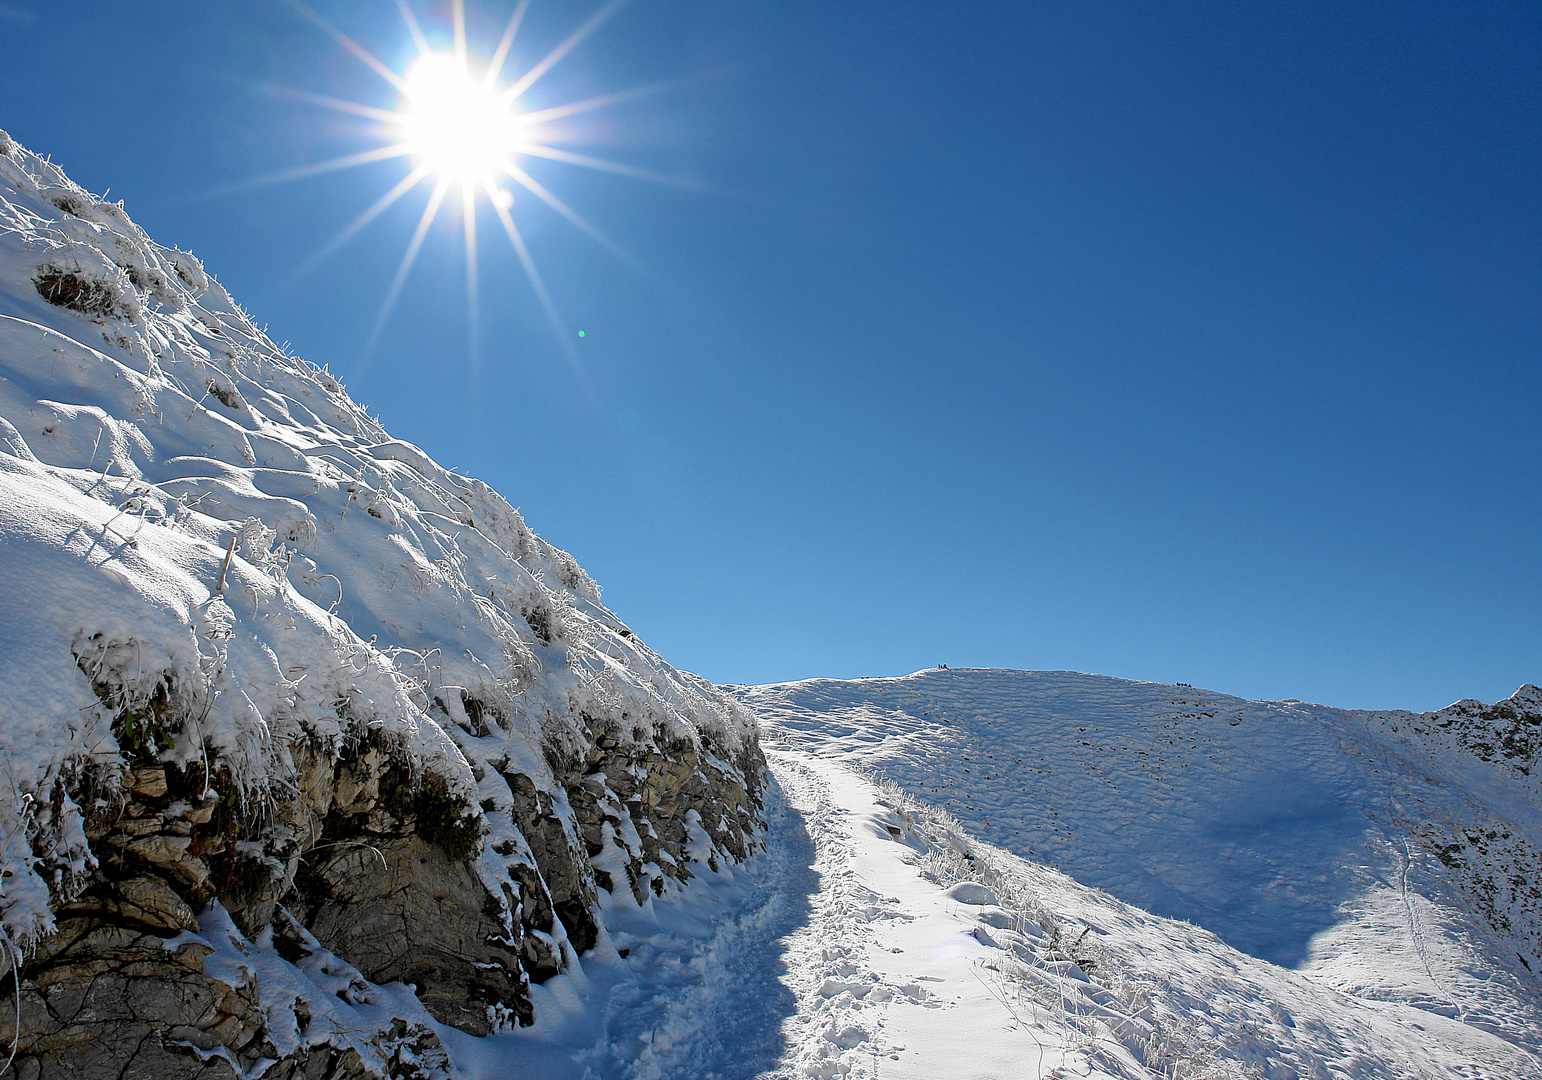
[[147, 429]]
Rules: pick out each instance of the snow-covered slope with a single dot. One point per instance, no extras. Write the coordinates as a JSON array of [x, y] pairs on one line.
[[249, 642], [1372, 875], [877, 935]]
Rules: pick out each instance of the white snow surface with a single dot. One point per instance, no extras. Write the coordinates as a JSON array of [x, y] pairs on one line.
[[966, 874], [877, 936], [1255, 867]]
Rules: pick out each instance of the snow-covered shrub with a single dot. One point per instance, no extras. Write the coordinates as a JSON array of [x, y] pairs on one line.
[[138, 264], [73, 203], [226, 395], [542, 620], [102, 293], [187, 267], [573, 577]]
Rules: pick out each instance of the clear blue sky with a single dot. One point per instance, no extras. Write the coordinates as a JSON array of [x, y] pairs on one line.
[[1186, 342]]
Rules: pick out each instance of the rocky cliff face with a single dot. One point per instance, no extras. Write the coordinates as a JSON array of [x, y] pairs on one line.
[[1488, 847], [311, 744]]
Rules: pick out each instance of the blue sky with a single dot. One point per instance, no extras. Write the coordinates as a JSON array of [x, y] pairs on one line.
[[1181, 342]]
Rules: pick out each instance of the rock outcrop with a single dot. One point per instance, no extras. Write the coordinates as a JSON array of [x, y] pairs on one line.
[[1489, 851], [313, 744]]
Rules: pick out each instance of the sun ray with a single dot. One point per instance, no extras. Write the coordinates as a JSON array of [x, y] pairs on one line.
[[534, 186], [594, 22], [495, 66], [406, 184], [536, 283], [429, 213], [458, 20], [538, 150], [625, 257], [301, 172], [413, 28], [337, 104], [557, 112], [351, 45], [468, 209]]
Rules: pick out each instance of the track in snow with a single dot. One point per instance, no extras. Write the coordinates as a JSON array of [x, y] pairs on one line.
[[830, 955], [826, 955]]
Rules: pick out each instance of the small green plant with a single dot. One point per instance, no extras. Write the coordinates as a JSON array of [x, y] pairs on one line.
[[142, 733], [444, 821]]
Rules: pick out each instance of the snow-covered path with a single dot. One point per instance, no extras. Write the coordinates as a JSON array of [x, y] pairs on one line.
[[827, 955], [838, 952], [892, 971]]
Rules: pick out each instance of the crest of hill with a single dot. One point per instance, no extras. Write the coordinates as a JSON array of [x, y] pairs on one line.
[[223, 586]]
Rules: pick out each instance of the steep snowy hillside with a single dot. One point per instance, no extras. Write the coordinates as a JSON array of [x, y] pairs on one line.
[[1386, 864], [291, 712]]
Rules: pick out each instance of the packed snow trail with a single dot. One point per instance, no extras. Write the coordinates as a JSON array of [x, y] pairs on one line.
[[893, 972], [827, 955], [874, 937]]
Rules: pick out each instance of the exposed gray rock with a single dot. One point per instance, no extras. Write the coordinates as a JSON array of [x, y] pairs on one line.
[[1492, 859], [398, 909], [106, 1000], [383, 869]]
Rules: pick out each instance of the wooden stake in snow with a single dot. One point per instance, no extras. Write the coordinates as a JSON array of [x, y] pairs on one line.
[[219, 586]]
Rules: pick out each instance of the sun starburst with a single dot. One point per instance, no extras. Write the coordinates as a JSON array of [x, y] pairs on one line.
[[457, 125], [457, 119]]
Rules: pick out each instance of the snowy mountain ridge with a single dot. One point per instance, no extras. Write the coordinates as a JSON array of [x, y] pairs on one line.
[[264, 662]]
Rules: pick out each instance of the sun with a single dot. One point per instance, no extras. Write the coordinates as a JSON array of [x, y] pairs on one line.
[[463, 131], [456, 125]]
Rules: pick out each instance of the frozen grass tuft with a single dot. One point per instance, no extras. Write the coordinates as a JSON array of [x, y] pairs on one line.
[[108, 295]]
